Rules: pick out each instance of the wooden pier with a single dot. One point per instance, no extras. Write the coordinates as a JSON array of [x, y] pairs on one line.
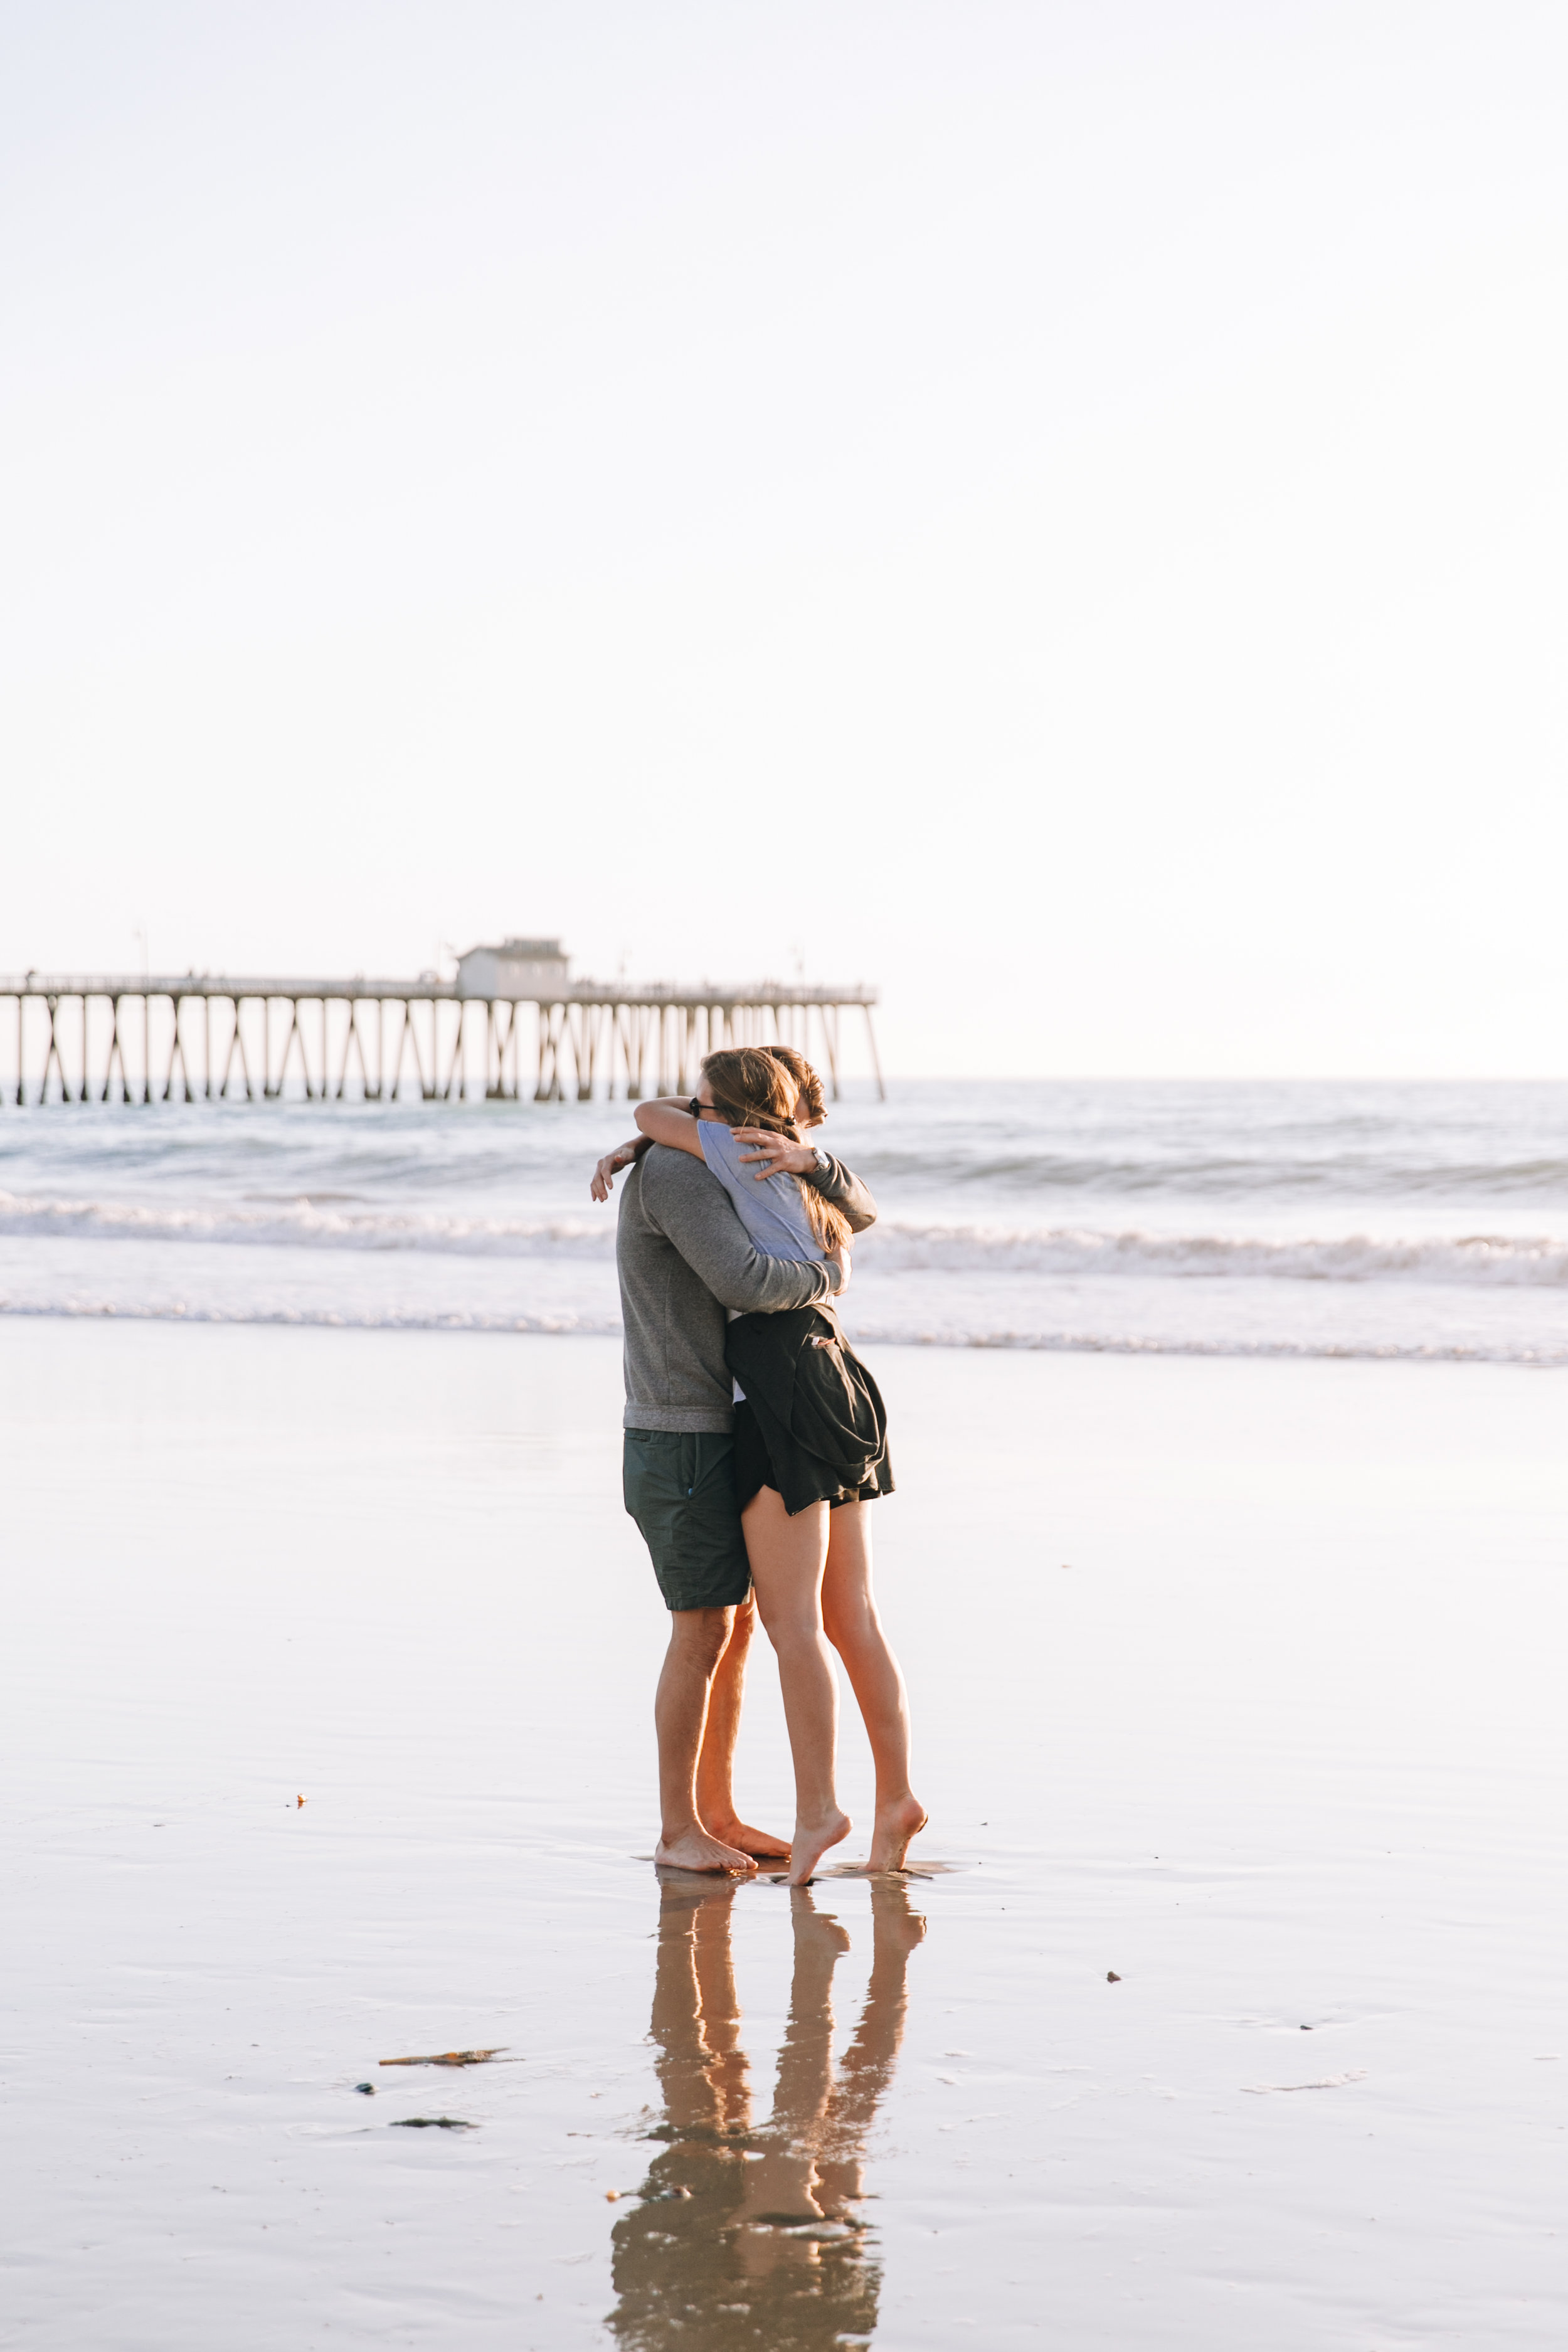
[[198, 1036]]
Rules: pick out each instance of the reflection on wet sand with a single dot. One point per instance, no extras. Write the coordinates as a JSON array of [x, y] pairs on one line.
[[749, 2233]]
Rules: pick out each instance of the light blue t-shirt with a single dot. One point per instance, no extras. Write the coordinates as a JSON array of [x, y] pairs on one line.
[[771, 1211]]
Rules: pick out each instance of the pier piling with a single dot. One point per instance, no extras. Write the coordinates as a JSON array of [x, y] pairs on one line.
[[76, 1037]]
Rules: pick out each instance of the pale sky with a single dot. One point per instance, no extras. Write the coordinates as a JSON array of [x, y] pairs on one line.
[[1057, 510]]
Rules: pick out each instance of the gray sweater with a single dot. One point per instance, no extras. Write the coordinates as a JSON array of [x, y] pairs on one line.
[[683, 1256]]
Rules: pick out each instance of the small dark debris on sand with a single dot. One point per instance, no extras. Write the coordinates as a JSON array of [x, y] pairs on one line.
[[1111, 1977], [368, 2089], [448, 2058], [430, 2122]]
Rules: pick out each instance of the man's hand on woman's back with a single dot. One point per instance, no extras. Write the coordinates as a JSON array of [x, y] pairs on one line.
[[770, 1153]]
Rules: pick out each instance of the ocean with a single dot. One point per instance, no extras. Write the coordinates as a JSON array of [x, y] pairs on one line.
[[1374, 1220], [1223, 2005]]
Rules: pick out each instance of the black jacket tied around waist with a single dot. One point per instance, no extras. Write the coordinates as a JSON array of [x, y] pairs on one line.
[[820, 1412]]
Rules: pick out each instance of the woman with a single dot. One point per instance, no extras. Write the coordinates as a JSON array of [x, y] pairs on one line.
[[802, 1505]]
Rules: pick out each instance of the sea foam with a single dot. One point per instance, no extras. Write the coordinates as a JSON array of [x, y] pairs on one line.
[[893, 1246]]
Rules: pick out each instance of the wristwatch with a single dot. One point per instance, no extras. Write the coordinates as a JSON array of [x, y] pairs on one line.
[[821, 1160]]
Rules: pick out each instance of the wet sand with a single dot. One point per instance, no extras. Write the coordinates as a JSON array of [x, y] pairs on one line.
[[1242, 1681]]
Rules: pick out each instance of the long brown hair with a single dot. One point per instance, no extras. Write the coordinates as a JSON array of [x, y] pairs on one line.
[[753, 1089], [806, 1081]]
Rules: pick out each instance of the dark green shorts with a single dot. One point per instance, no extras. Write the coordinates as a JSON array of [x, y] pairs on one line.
[[680, 1489]]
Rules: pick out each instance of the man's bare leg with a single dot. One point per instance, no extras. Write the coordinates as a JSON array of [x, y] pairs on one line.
[[716, 1760], [854, 1629], [787, 1557], [697, 1640]]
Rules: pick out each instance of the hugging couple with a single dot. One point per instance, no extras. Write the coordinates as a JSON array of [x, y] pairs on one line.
[[755, 1443]]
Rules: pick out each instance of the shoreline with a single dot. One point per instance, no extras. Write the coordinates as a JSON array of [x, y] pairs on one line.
[[1018, 1344]]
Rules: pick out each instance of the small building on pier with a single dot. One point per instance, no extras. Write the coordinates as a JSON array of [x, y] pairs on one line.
[[525, 970]]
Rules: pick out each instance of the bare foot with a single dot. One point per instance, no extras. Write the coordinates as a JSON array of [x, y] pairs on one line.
[[810, 1842], [761, 1845], [695, 1850], [896, 1824]]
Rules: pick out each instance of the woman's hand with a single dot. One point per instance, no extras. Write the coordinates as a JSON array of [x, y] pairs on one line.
[[839, 1257], [774, 1154], [612, 1163]]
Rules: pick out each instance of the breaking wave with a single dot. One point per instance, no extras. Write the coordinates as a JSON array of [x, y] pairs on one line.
[[306, 1225], [1488, 1259], [894, 1248]]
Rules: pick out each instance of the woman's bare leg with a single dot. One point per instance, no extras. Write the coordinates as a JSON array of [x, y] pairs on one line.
[[854, 1629], [787, 1557]]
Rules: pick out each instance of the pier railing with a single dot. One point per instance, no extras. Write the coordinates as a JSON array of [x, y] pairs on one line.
[[85, 1037]]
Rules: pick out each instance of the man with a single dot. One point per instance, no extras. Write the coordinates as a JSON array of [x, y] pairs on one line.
[[683, 1256]]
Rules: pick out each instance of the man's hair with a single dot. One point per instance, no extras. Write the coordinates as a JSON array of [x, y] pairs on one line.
[[753, 1089]]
